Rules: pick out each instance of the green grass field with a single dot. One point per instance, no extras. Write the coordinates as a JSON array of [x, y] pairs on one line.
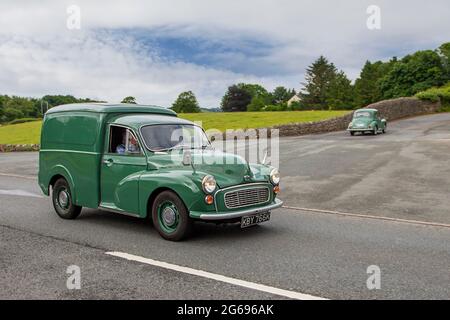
[[29, 133], [23, 133]]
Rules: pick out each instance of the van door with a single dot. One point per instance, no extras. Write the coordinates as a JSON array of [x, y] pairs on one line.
[[122, 165], [377, 118]]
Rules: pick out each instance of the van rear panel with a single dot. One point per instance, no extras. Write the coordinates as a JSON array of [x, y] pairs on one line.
[[71, 146]]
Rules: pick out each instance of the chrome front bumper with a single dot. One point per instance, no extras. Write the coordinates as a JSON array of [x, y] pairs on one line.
[[237, 214], [359, 129]]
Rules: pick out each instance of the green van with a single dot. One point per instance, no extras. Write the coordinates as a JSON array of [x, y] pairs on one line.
[[136, 160]]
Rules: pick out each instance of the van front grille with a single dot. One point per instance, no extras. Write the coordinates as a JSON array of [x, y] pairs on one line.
[[246, 197]]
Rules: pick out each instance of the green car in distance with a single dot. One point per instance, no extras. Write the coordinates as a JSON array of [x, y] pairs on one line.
[[139, 160], [367, 120]]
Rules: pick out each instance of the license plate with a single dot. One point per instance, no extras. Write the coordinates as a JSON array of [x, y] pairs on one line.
[[248, 221]]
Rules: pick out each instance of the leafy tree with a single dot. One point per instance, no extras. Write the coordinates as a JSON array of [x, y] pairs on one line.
[[2, 101], [281, 94], [367, 86], [254, 89], [318, 77], [186, 103], [31, 107], [24, 105], [444, 52], [257, 104], [235, 99], [129, 99], [56, 100], [295, 106], [413, 73], [340, 93], [10, 114]]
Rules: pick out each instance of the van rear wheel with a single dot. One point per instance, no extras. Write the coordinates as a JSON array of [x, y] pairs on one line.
[[63, 201], [170, 216]]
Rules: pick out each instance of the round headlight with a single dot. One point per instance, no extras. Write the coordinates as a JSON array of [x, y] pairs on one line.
[[209, 184], [275, 176]]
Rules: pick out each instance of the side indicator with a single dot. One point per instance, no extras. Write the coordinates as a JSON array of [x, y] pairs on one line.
[[276, 189], [209, 199]]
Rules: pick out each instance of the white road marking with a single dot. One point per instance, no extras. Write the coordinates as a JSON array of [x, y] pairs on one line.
[[17, 176], [20, 193], [217, 277], [366, 216]]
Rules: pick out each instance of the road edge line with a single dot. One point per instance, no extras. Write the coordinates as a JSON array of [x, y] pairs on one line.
[[367, 216], [217, 277], [17, 176]]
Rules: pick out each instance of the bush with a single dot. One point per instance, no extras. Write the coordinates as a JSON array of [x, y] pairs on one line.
[[295, 106], [437, 94], [22, 120], [430, 95], [271, 108]]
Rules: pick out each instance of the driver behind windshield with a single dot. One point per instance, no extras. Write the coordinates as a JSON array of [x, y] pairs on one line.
[[133, 146]]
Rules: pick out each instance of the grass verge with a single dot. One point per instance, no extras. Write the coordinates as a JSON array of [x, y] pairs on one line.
[[29, 132]]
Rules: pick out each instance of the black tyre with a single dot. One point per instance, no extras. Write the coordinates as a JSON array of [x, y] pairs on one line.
[[352, 133], [170, 216], [63, 201]]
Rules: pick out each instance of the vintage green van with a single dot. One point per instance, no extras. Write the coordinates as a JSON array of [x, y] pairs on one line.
[[134, 160]]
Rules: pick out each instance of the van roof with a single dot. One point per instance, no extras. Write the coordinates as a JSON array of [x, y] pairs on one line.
[[367, 109], [112, 108], [135, 121]]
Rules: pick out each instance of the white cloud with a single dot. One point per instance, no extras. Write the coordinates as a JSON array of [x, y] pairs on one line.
[[38, 55]]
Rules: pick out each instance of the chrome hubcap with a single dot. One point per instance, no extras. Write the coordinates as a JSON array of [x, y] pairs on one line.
[[169, 216], [63, 198]]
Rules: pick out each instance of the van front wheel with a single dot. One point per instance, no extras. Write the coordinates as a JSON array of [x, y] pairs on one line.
[[62, 200], [170, 216]]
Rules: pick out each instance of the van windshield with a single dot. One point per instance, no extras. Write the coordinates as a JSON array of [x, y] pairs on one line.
[[166, 137]]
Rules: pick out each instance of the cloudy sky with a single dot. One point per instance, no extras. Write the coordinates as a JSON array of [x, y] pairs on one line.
[[153, 49]]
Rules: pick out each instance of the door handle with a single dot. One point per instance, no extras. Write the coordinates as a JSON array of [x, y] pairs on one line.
[[108, 162]]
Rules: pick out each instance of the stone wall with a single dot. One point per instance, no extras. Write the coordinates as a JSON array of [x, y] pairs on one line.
[[18, 147], [389, 109]]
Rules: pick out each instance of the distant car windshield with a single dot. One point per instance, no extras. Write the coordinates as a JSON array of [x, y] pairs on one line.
[[362, 114], [165, 137]]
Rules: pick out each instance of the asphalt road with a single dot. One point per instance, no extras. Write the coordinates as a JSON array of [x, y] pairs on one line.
[[403, 174]]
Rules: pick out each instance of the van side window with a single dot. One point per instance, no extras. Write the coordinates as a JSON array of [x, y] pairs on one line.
[[123, 141]]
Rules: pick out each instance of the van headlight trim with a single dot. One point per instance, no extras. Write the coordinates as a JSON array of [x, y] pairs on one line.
[[209, 184], [275, 176]]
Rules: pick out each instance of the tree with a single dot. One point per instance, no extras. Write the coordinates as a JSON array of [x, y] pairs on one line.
[[10, 114], [340, 93], [318, 77], [281, 95], [444, 53], [367, 86], [56, 100], [186, 103], [129, 99], [24, 107], [235, 99], [413, 73], [257, 104], [254, 89], [19, 107]]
